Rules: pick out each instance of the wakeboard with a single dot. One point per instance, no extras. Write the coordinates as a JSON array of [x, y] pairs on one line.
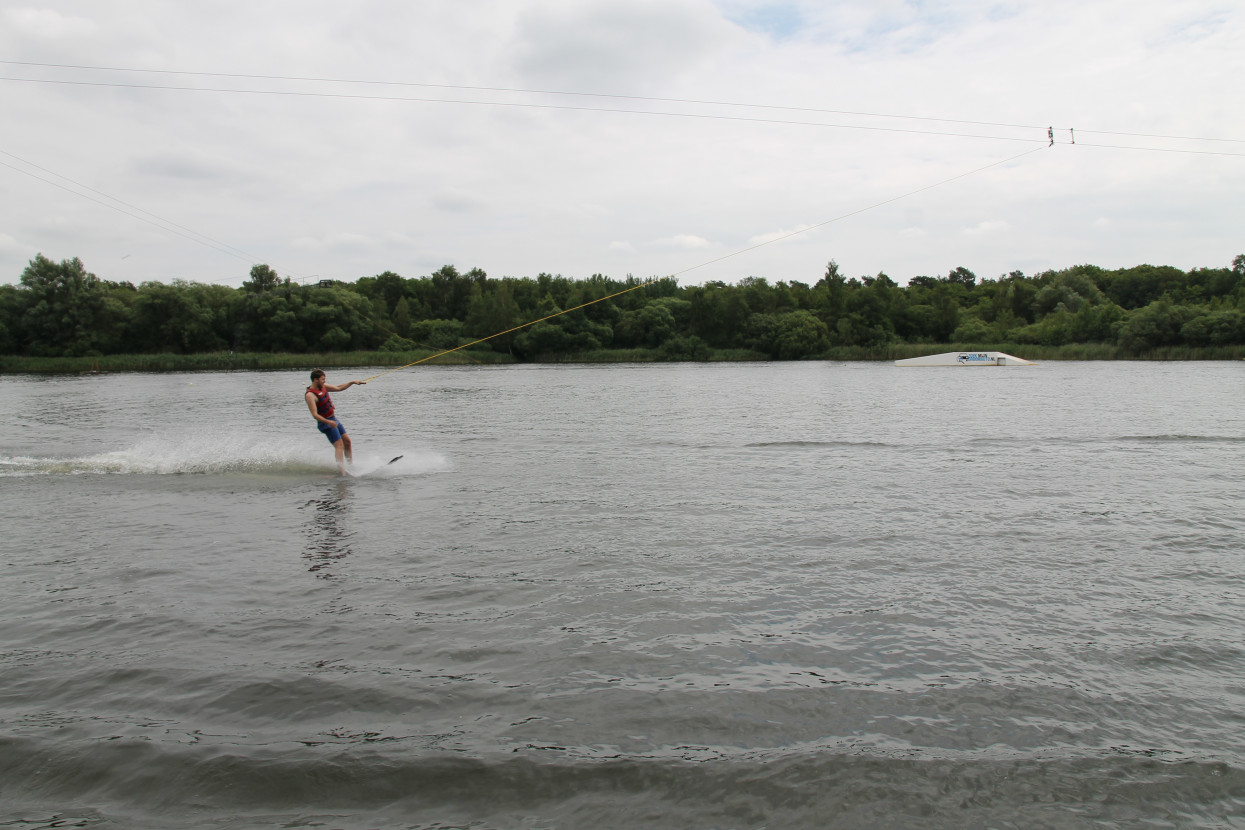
[[381, 467]]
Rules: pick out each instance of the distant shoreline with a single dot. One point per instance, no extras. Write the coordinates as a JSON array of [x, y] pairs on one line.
[[261, 361]]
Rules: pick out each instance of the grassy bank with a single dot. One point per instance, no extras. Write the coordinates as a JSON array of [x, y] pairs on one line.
[[253, 361]]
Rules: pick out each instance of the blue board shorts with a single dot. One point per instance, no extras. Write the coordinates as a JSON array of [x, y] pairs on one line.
[[333, 433]]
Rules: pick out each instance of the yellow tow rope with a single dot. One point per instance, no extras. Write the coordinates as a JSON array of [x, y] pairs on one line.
[[516, 328], [718, 259]]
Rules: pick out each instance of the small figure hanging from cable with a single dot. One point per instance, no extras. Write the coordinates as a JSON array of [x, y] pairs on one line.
[[1050, 133]]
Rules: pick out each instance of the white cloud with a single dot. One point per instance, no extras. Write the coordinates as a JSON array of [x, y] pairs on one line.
[[190, 167], [798, 232], [605, 46], [989, 226], [457, 201], [47, 24], [680, 242], [333, 242]]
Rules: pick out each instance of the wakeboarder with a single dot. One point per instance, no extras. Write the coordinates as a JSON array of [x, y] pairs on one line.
[[321, 406]]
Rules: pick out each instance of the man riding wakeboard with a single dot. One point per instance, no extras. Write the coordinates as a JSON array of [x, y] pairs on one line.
[[322, 409]]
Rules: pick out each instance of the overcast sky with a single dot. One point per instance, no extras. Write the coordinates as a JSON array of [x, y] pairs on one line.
[[642, 137]]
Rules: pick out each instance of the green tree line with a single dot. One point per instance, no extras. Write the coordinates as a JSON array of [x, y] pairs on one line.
[[61, 309]]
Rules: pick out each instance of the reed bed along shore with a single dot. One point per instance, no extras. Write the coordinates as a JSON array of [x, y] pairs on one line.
[[261, 361]]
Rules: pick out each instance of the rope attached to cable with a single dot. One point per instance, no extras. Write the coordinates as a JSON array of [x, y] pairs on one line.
[[706, 263], [516, 328]]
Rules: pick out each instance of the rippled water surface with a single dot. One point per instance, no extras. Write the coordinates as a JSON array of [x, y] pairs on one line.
[[731, 596]]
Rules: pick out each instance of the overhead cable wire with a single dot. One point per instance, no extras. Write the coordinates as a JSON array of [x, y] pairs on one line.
[[739, 252], [518, 90], [1152, 149], [150, 218], [118, 209], [1155, 135], [690, 115], [526, 91], [516, 105], [224, 247]]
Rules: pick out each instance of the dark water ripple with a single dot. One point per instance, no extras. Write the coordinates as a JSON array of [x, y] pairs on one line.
[[758, 596], [821, 787]]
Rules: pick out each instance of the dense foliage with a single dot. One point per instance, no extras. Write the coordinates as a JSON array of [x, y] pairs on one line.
[[60, 309]]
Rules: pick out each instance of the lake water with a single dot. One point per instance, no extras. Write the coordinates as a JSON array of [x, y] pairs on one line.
[[688, 596]]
